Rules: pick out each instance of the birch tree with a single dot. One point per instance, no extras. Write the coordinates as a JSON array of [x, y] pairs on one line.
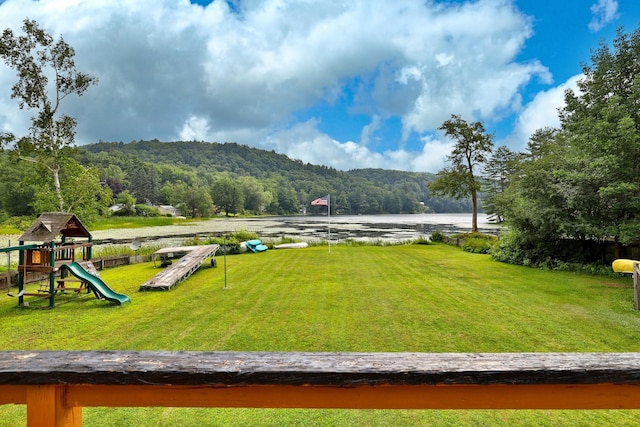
[[46, 76]]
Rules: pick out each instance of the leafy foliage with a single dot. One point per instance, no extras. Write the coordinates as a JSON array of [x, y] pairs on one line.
[[19, 183], [603, 127], [81, 189], [35, 55], [461, 178], [422, 240], [499, 169], [269, 182], [230, 244], [437, 236], [477, 246], [127, 203], [579, 184], [228, 195]]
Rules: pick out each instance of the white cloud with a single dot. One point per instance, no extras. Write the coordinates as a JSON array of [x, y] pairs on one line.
[[468, 67], [541, 112], [603, 12], [195, 129], [305, 142], [12, 119], [369, 130], [171, 70], [431, 158]]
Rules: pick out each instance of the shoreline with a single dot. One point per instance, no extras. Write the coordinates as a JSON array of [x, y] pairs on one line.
[[307, 228]]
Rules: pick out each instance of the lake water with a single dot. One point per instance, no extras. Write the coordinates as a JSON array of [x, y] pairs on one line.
[[308, 228]]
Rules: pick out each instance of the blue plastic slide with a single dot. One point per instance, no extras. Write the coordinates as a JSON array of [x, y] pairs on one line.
[[95, 284]]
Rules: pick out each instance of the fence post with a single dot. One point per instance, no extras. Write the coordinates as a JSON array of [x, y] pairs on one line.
[[636, 289], [46, 406]]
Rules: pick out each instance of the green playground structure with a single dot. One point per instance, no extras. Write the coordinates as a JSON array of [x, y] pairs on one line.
[[95, 283], [56, 259]]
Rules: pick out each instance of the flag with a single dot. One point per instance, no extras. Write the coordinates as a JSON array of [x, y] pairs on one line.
[[322, 201], [325, 201]]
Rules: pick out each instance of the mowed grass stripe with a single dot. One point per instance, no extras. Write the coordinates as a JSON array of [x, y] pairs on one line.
[[402, 298], [405, 298]]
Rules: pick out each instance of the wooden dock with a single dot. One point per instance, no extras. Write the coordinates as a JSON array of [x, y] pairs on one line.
[[180, 269]]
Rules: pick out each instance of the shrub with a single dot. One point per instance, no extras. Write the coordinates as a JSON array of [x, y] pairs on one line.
[[118, 250], [477, 235], [547, 253], [230, 248], [195, 241], [16, 224], [477, 245], [537, 250], [516, 248], [229, 244], [146, 210], [422, 240], [243, 235], [437, 237]]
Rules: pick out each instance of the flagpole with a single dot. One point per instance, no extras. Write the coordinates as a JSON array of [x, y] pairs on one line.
[[329, 219]]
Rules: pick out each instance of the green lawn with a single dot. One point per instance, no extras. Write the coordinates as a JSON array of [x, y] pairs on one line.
[[399, 298]]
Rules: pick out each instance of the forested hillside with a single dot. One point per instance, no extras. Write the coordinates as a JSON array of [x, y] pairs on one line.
[[202, 179], [152, 171]]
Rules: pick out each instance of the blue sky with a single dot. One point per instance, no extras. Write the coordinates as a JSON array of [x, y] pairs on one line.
[[348, 84]]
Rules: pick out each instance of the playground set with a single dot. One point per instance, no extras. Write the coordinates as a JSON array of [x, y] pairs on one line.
[[56, 261]]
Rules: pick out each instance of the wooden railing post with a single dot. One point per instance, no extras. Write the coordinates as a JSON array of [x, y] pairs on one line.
[[46, 407], [636, 286]]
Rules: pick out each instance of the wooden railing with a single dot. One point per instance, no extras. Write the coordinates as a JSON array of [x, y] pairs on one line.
[[55, 385]]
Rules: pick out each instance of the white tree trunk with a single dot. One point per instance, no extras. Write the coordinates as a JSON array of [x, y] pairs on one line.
[[56, 183]]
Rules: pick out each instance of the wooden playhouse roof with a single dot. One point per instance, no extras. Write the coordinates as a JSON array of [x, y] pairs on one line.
[[51, 224]]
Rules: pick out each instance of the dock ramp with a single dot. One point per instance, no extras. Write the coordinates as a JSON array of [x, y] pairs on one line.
[[180, 269]]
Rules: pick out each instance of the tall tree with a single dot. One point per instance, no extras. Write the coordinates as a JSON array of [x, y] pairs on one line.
[[81, 189], [174, 193], [582, 181], [499, 170], [603, 124], [461, 179], [35, 56], [255, 196], [128, 202], [115, 178], [227, 194], [542, 143], [145, 183], [536, 201], [198, 201], [16, 182]]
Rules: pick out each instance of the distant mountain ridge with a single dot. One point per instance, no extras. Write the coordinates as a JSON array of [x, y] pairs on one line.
[[355, 191]]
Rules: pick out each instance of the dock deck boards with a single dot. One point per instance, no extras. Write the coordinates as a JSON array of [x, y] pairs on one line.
[[181, 269]]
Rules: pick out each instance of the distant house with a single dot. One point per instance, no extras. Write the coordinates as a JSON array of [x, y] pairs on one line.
[[116, 208], [168, 210]]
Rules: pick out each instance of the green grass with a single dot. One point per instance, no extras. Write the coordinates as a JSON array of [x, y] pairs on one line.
[[10, 230], [424, 298], [121, 250]]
